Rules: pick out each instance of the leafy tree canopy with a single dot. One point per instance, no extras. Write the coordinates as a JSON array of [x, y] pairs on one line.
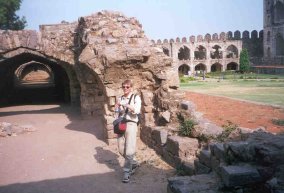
[[244, 61], [8, 18]]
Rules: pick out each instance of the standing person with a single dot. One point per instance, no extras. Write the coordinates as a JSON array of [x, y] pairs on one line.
[[127, 141]]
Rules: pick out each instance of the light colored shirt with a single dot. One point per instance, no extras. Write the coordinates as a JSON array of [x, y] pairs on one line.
[[135, 102]]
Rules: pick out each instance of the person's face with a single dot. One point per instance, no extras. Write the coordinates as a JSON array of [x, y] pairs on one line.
[[126, 89]]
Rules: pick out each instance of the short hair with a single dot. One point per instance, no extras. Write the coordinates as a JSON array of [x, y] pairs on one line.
[[129, 82]]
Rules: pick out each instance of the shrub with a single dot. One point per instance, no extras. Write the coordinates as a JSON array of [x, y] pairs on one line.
[[279, 122], [228, 129], [186, 79], [186, 126]]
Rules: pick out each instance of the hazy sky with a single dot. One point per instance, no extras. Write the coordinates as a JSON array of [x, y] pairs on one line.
[[161, 19]]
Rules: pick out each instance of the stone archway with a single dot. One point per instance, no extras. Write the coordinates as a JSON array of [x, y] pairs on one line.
[[184, 69], [232, 66], [216, 67], [184, 53], [200, 53], [200, 67], [29, 77], [232, 52]]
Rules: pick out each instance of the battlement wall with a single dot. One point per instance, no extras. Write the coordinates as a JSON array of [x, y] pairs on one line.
[[237, 35]]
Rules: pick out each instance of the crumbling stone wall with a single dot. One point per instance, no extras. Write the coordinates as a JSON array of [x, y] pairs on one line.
[[98, 53], [115, 48]]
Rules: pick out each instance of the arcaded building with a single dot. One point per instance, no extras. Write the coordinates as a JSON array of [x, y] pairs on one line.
[[209, 54]]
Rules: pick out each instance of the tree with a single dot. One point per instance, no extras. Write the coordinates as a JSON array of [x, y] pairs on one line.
[[8, 17], [244, 61]]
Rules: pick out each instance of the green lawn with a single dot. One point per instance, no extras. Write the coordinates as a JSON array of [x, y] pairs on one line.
[[266, 91]]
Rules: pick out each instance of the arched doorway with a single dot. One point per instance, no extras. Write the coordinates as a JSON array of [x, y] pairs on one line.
[[217, 67], [200, 53], [216, 52], [232, 66], [28, 77], [184, 53], [183, 69], [232, 52], [200, 67]]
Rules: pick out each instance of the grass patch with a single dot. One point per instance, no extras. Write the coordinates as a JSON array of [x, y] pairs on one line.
[[264, 91]]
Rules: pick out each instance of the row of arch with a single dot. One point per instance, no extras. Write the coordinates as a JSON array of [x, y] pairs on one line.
[[237, 35], [186, 69], [200, 52]]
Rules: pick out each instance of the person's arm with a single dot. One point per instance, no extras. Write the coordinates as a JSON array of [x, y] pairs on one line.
[[136, 107]]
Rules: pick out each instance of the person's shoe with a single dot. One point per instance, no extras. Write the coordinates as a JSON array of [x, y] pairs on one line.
[[126, 177]]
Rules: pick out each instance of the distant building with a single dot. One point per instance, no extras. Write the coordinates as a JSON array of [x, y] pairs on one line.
[[221, 52], [273, 27]]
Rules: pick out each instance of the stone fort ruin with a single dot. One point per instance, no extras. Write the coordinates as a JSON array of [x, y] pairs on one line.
[[84, 63]]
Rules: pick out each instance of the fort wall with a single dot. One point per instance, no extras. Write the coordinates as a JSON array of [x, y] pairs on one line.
[[219, 52]]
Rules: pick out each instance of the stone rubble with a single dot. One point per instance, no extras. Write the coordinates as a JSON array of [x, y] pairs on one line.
[[8, 129]]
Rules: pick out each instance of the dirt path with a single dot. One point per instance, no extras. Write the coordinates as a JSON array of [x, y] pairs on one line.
[[67, 154], [220, 110]]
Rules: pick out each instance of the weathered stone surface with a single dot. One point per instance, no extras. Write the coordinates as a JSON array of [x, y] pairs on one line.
[[188, 105], [241, 151], [188, 167], [217, 149], [182, 147], [159, 135], [191, 184], [205, 157], [166, 116], [147, 98], [239, 175], [201, 168], [207, 128]]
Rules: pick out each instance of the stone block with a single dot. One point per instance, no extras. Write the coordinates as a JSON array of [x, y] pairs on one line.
[[182, 147], [166, 116], [188, 167], [243, 151], [149, 119], [147, 98], [159, 136], [109, 120], [205, 157], [148, 109], [239, 175], [187, 105], [168, 157], [201, 168], [218, 150], [215, 163], [205, 183]]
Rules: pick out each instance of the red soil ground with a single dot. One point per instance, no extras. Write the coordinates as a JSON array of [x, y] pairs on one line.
[[220, 110]]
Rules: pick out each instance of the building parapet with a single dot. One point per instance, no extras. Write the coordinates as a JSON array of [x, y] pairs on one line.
[[237, 35]]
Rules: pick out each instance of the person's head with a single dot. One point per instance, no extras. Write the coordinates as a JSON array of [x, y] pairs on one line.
[[127, 86]]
